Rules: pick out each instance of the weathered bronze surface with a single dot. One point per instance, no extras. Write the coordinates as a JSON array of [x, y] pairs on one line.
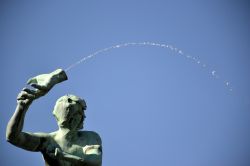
[[68, 146]]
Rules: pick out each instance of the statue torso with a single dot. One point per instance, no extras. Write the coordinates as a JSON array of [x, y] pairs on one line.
[[74, 147]]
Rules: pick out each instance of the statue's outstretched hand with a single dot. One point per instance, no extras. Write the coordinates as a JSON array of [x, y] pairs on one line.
[[44, 82]]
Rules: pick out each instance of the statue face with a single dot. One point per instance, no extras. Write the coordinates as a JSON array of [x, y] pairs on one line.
[[69, 112]]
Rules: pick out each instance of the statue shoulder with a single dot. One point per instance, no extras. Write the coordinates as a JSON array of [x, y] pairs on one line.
[[91, 135]]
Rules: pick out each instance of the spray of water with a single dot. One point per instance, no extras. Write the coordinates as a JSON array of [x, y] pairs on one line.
[[177, 51]]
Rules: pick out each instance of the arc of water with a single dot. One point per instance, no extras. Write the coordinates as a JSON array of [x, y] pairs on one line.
[[196, 60]]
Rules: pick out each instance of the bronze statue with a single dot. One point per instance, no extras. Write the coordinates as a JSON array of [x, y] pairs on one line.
[[68, 146]]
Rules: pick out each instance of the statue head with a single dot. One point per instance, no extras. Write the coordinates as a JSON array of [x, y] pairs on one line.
[[69, 112]]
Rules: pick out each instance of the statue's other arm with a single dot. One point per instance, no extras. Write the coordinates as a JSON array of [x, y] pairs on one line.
[[93, 153], [14, 133]]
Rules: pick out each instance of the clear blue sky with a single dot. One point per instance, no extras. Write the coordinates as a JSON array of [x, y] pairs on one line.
[[150, 106]]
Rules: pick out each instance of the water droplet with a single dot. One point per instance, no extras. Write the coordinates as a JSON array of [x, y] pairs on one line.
[[180, 52]]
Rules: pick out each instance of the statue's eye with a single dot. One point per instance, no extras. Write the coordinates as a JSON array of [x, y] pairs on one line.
[[69, 100]]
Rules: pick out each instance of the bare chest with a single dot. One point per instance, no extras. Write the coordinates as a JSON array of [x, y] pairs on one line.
[[74, 147], [85, 144]]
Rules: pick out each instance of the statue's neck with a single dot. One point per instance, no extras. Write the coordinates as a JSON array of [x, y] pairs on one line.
[[67, 134]]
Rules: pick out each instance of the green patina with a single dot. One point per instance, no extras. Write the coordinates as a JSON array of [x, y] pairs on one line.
[[68, 146]]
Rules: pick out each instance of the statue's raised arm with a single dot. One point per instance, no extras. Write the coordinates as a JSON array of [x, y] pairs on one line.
[[42, 84]]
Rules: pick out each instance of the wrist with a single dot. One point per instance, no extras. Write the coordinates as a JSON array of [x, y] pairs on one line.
[[24, 105]]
